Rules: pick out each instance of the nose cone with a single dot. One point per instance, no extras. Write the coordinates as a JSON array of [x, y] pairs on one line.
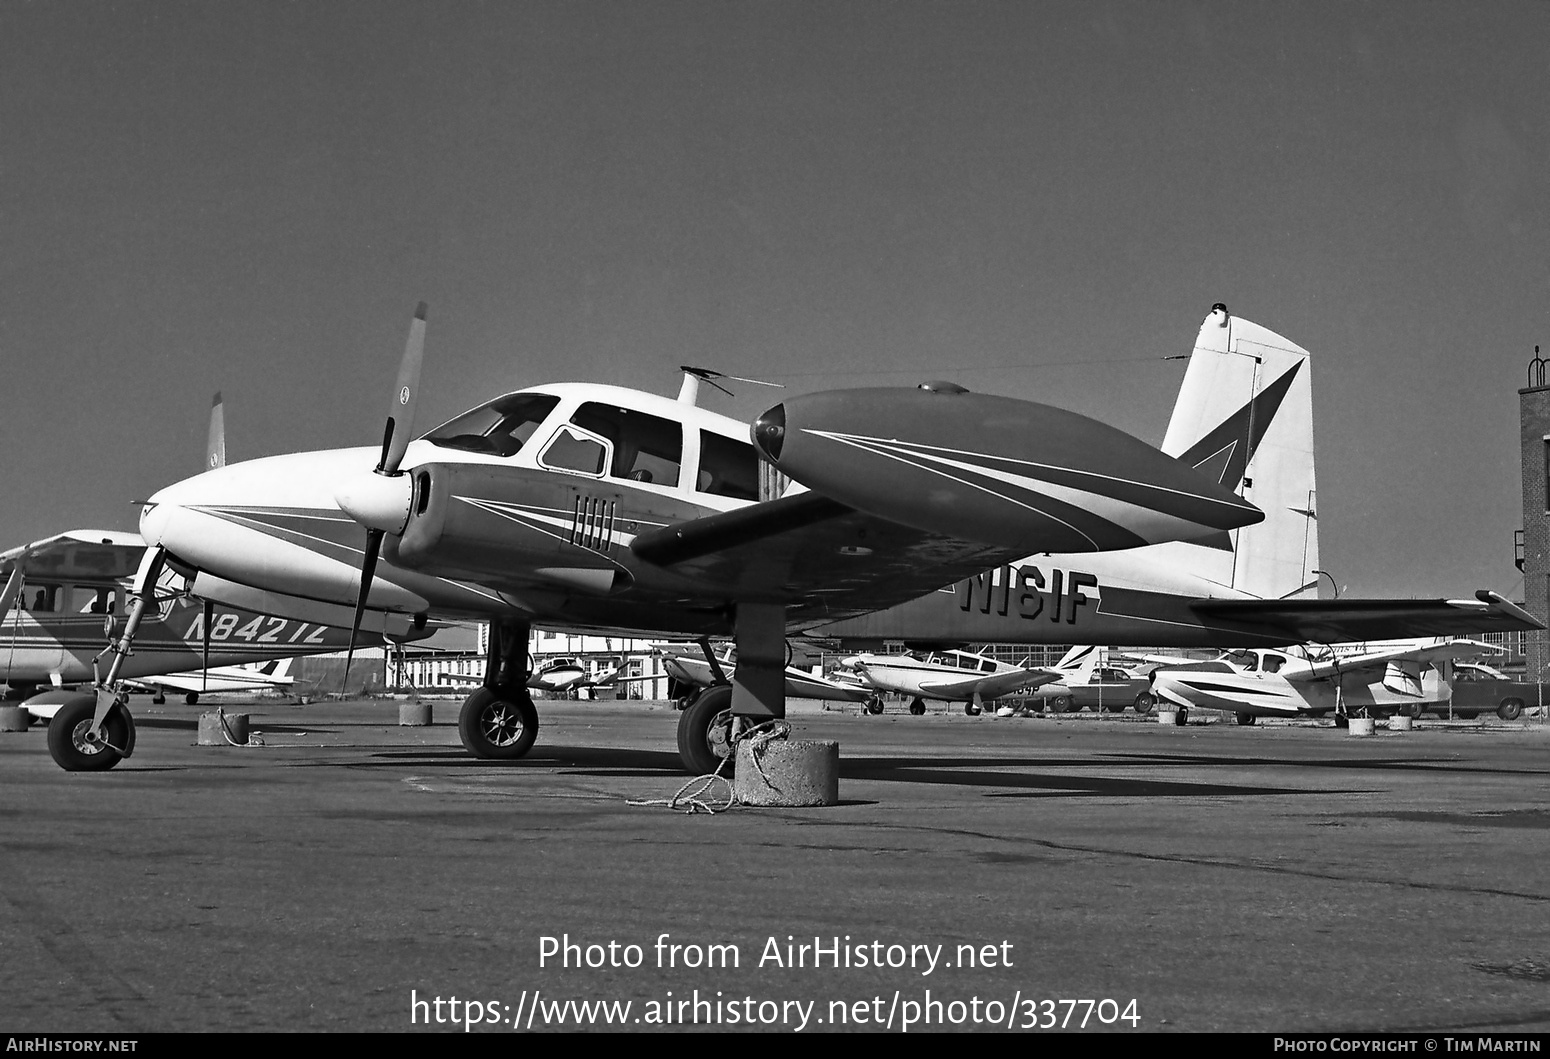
[[274, 524], [377, 501]]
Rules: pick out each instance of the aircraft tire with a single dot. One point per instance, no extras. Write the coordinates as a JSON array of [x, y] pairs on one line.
[[1181, 718], [69, 749], [874, 705], [1246, 719], [917, 707], [1144, 703], [705, 732], [1413, 711], [1061, 704], [1342, 721], [498, 724], [159, 699], [971, 709], [192, 698], [1510, 709]]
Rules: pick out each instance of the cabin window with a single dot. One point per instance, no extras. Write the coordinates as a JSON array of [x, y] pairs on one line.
[[499, 428], [647, 448], [44, 599], [573, 450], [728, 467], [1273, 663]]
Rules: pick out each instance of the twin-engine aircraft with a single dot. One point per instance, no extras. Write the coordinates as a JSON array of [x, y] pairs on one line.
[[586, 506], [1367, 679], [1244, 419]]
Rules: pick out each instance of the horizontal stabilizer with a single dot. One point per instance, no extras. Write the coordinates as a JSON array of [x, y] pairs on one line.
[[1342, 620]]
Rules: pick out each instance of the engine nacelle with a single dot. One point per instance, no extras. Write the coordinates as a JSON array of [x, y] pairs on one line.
[[993, 469], [492, 523]]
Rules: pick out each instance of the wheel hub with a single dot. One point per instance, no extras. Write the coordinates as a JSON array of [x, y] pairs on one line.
[[502, 726], [718, 737], [85, 740]]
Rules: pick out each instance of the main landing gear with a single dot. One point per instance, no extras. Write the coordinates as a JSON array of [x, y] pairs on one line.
[[499, 722], [705, 731]]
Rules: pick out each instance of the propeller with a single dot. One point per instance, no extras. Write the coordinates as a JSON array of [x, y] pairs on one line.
[[370, 503]]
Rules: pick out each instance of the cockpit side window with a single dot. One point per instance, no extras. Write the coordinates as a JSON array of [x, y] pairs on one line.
[[45, 599], [574, 450], [499, 428], [1273, 663], [647, 448], [728, 467], [1248, 661]]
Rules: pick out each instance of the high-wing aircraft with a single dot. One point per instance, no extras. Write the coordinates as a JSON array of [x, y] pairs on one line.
[[586, 506], [689, 665], [954, 676], [1244, 418], [65, 600], [1371, 679]]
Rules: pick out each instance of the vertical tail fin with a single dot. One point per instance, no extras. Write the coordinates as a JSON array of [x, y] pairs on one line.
[[1078, 664], [1244, 418]]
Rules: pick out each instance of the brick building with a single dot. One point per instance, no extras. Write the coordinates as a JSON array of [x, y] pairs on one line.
[[1534, 547]]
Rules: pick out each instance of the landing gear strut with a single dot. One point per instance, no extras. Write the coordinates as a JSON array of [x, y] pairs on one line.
[[93, 732], [499, 722]]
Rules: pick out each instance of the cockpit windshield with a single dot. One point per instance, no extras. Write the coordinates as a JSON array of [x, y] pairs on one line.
[[499, 428]]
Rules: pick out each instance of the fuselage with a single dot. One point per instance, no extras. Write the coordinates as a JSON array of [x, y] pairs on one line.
[[915, 677], [587, 469], [58, 648], [1265, 683]]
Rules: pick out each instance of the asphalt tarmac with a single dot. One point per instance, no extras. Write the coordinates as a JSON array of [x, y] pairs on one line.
[[1025, 874]]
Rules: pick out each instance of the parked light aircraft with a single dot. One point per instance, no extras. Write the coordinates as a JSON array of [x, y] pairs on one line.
[[688, 664], [952, 676], [586, 506], [563, 677], [250, 677], [1370, 679], [1244, 418], [66, 598]]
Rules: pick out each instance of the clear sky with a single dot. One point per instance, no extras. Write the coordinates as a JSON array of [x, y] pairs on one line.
[[1038, 199]]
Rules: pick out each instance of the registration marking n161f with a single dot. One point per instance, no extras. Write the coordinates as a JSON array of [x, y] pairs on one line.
[[1020, 592]]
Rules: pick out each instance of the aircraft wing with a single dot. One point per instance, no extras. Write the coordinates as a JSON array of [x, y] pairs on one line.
[[990, 687], [1438, 652], [84, 555], [819, 558], [1343, 620], [220, 678]]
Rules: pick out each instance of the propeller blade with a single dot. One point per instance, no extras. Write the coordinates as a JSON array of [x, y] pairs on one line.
[[400, 420], [368, 571], [215, 442]]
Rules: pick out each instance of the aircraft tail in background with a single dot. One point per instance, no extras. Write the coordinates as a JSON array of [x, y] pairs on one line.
[[1244, 418]]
